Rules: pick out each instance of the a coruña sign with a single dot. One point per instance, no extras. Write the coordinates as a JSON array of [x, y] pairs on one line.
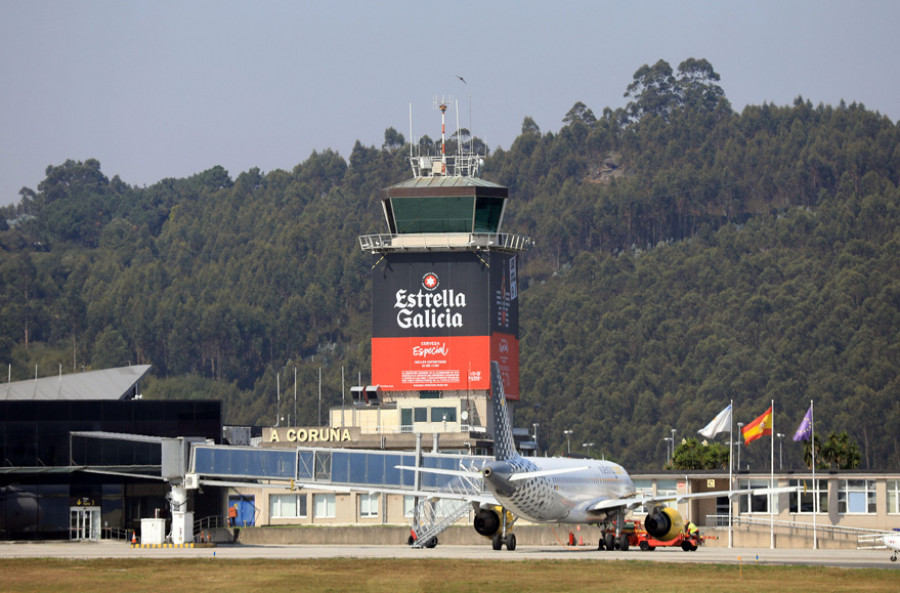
[[309, 436]]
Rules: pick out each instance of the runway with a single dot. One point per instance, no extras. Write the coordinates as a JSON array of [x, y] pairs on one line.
[[712, 555]]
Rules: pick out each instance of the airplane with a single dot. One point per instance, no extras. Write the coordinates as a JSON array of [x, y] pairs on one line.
[[892, 543], [564, 490]]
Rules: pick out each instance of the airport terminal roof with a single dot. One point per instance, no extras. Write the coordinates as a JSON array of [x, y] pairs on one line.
[[109, 384]]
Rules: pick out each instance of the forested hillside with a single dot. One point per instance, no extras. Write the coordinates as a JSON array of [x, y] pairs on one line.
[[686, 255]]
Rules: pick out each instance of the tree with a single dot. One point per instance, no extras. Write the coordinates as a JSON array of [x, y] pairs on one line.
[[654, 91], [393, 139], [841, 452], [692, 454], [110, 350], [697, 86], [578, 113], [529, 126]]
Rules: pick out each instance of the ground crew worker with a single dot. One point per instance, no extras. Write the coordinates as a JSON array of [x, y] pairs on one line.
[[232, 515], [692, 530]]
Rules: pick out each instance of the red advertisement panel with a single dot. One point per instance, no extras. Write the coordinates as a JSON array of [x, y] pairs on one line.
[[424, 363], [505, 350]]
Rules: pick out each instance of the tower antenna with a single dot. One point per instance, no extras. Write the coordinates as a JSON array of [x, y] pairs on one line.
[[443, 106], [410, 131], [458, 141]]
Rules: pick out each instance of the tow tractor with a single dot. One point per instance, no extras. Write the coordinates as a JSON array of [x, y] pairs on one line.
[[638, 536]]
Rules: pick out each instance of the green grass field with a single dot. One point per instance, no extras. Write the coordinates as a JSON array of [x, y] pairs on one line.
[[432, 576]]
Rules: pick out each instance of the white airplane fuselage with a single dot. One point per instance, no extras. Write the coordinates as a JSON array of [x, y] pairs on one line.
[[558, 498]]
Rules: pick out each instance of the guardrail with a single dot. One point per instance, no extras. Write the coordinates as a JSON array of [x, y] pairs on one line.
[[445, 241], [820, 528]]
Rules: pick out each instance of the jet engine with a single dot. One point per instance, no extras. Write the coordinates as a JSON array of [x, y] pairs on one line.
[[664, 523], [487, 522]]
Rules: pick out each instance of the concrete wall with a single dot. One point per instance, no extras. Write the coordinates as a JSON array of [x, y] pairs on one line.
[[541, 535]]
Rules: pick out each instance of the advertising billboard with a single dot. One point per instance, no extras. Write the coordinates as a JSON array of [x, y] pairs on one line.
[[439, 319]]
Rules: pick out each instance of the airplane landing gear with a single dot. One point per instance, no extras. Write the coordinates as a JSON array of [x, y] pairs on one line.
[[498, 541], [609, 541], [503, 536]]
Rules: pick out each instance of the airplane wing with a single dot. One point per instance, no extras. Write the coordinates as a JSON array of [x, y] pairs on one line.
[[633, 502]]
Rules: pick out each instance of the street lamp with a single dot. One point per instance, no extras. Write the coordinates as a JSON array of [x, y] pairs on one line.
[[568, 434], [668, 440], [780, 436], [587, 446], [738, 443], [536, 448], [673, 445]]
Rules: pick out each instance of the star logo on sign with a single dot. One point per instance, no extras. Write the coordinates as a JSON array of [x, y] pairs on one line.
[[430, 281]]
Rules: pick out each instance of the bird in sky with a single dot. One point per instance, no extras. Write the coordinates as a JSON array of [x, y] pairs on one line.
[[462, 79]]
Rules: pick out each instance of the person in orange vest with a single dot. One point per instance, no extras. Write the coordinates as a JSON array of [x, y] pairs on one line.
[[232, 515], [692, 530]]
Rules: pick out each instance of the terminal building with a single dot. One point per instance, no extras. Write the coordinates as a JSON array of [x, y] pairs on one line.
[[51, 452]]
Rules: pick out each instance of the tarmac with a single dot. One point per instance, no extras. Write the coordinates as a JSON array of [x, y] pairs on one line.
[[708, 555]]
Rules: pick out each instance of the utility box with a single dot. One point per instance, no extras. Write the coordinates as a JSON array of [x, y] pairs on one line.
[[153, 531], [182, 527]]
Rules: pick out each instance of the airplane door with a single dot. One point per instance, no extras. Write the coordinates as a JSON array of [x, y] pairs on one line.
[[84, 523]]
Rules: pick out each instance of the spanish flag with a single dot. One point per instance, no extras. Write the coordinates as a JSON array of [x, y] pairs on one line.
[[758, 428]]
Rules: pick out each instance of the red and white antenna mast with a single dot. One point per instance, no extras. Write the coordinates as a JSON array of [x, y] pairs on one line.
[[443, 105]]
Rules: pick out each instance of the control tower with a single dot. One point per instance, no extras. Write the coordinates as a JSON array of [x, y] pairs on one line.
[[445, 290]]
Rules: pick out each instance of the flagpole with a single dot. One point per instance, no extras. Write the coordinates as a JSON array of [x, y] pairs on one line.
[[772, 484], [730, 470], [812, 448]]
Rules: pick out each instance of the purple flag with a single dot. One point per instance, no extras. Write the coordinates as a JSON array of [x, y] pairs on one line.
[[804, 432]]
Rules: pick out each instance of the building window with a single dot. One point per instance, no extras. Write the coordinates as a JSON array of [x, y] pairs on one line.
[[802, 501], [756, 503], [287, 506], [324, 506], [368, 505], [856, 496], [421, 414], [443, 414], [409, 506], [666, 488], [643, 488], [893, 497]]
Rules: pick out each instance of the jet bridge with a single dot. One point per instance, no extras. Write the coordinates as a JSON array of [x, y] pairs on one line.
[[344, 468], [187, 463]]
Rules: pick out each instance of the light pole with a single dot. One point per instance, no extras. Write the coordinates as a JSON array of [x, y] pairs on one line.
[[673, 445], [537, 449], [668, 440], [780, 436], [738, 443], [588, 446], [568, 434]]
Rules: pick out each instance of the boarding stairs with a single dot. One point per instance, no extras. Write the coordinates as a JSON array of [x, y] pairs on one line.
[[435, 514]]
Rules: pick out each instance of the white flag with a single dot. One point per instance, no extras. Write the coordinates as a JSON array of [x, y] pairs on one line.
[[720, 423]]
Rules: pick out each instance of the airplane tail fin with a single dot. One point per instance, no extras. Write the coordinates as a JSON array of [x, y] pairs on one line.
[[504, 445]]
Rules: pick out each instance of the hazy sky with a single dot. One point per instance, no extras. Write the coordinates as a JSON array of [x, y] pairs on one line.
[[157, 88]]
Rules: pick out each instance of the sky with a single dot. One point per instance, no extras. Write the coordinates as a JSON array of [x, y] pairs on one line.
[[157, 88]]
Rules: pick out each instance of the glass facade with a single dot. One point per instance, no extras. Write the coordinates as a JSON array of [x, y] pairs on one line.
[[856, 496], [893, 497], [341, 466], [287, 506], [36, 433], [41, 459], [802, 501]]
